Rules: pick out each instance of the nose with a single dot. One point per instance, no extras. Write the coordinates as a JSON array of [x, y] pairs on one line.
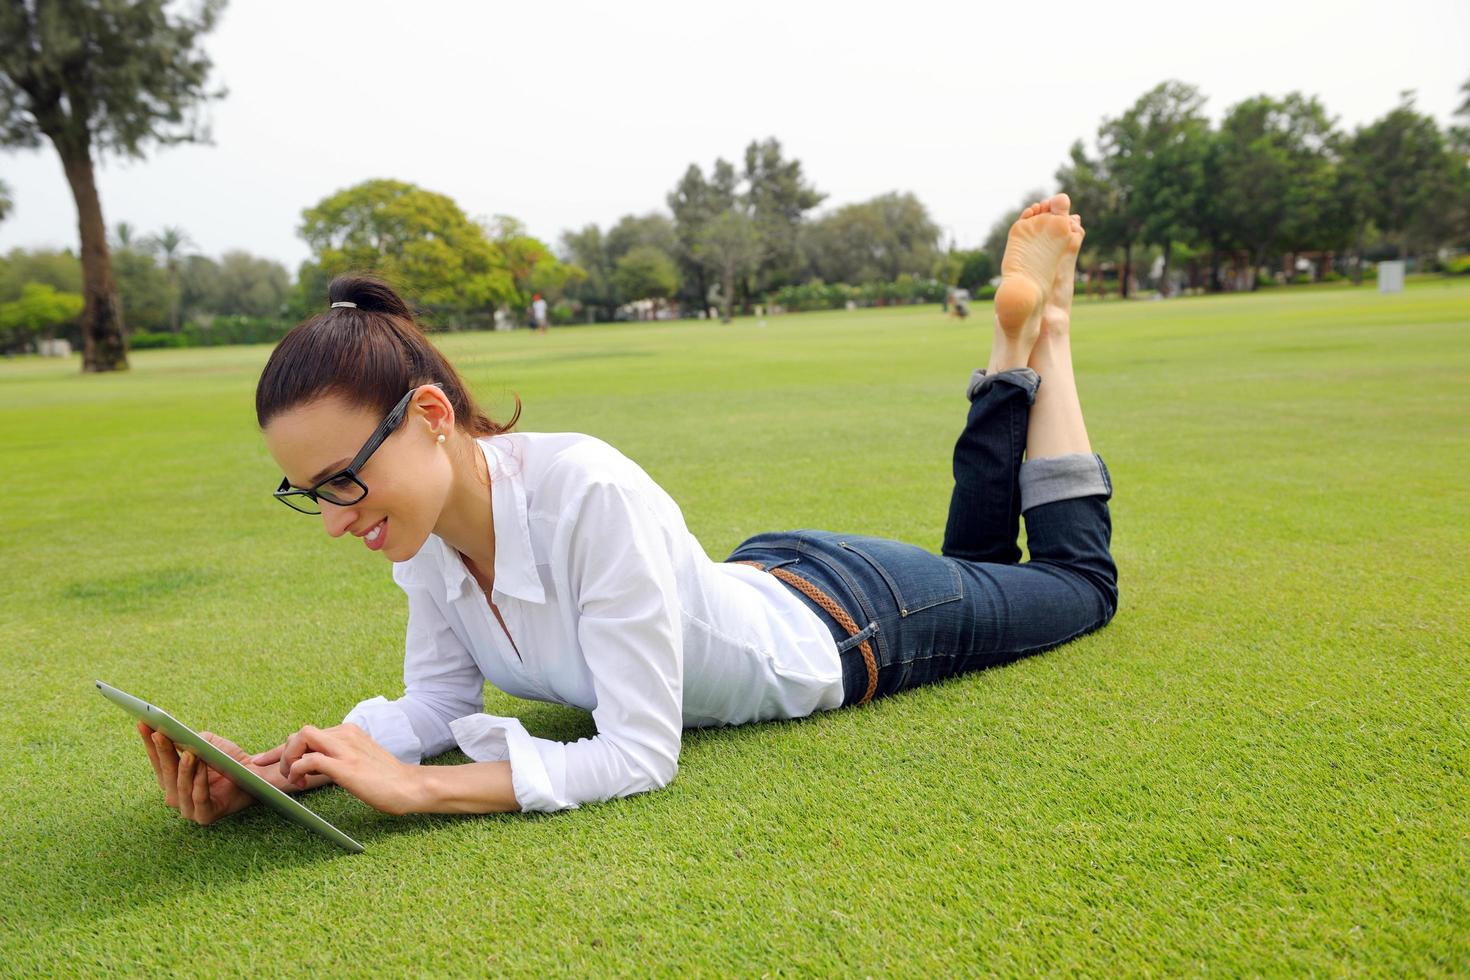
[[336, 519]]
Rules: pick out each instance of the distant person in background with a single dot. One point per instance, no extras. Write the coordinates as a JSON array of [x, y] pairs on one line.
[[538, 313], [959, 303]]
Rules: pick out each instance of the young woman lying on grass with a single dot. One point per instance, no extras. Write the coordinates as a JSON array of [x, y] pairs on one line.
[[553, 566]]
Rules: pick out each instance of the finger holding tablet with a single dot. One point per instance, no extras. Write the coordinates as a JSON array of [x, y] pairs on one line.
[[199, 792]]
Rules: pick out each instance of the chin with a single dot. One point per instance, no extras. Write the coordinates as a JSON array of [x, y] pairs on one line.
[[401, 553]]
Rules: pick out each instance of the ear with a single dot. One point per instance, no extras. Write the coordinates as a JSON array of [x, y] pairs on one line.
[[432, 409]]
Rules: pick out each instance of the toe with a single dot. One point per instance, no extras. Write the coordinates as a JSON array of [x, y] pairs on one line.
[[1060, 203]]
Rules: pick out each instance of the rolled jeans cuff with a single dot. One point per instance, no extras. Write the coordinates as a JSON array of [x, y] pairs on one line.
[[1062, 478], [1023, 378]]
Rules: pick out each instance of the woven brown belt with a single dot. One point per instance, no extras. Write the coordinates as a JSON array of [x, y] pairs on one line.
[[837, 612]]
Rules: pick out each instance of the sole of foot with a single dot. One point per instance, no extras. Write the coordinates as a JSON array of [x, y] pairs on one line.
[[1029, 269]]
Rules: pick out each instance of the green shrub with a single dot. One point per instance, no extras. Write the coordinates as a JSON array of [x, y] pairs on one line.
[[1458, 265], [221, 330], [986, 292], [147, 340], [819, 295]]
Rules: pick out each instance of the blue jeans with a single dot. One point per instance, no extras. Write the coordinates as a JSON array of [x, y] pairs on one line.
[[903, 616]]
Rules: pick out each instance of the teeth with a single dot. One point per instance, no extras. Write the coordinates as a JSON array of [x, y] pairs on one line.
[[375, 532]]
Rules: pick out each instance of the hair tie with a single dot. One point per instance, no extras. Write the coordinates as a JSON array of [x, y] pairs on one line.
[[343, 302]]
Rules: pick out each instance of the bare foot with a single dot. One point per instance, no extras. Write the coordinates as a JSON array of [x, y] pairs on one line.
[[1029, 270], [1056, 315]]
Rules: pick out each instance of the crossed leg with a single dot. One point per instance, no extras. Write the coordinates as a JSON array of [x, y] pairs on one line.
[[1025, 404]]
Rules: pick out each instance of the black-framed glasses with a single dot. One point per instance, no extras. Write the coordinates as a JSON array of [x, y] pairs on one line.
[[344, 487]]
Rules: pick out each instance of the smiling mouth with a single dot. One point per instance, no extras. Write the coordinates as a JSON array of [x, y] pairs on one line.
[[375, 537]]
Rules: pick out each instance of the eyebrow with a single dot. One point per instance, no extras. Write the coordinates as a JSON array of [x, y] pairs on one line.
[[324, 471]]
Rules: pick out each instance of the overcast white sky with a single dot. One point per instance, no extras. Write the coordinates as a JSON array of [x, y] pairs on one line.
[[567, 113]]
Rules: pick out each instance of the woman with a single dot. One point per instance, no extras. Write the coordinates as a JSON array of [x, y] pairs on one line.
[[552, 566]]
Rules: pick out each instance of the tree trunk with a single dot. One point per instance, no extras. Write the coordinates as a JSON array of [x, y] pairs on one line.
[[1257, 258], [703, 287], [1215, 286], [174, 304], [1127, 270], [1166, 287], [104, 344], [728, 293]]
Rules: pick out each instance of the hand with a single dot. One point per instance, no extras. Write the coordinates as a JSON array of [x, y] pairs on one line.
[[351, 759], [198, 792]]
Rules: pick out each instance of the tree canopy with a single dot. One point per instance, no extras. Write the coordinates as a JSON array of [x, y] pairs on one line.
[[873, 241], [418, 239]]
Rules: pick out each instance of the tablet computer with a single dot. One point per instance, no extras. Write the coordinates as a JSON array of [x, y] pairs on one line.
[[182, 734]]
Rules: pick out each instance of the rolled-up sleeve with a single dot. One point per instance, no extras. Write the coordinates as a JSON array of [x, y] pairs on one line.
[[622, 578], [441, 683]]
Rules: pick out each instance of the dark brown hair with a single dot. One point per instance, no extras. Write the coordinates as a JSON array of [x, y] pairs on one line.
[[370, 355]]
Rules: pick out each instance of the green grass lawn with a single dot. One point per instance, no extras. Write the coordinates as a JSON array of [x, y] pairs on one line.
[[1260, 766]]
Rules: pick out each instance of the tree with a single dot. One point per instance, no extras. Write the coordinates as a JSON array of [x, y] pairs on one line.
[[532, 266], [646, 272], [976, 269], [59, 270], [874, 241], [199, 286], [249, 285], [587, 249], [1274, 170], [1170, 139], [126, 236], [1460, 135], [730, 246], [694, 203], [1152, 156], [170, 242], [778, 198], [1411, 180], [38, 310], [5, 201], [96, 77], [143, 290], [653, 230], [419, 240]]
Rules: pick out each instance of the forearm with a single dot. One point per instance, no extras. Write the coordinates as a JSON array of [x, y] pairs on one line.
[[477, 787]]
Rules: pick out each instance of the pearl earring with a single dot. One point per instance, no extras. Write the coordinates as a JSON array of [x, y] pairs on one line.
[[441, 438]]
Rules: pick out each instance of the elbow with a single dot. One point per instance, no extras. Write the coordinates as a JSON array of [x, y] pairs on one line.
[[653, 773]]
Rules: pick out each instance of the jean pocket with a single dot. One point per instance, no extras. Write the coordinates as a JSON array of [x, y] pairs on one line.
[[917, 578]]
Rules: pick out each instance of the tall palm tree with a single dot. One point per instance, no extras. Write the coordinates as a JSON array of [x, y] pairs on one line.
[[125, 234], [171, 241]]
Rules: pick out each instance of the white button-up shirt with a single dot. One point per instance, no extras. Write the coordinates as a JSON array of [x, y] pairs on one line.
[[614, 608]]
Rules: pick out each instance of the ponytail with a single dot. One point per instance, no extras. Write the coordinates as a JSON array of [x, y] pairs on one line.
[[369, 353]]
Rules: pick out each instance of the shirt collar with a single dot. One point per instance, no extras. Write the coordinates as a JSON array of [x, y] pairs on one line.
[[515, 562]]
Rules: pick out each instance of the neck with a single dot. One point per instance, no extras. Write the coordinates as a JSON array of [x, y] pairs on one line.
[[466, 523]]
